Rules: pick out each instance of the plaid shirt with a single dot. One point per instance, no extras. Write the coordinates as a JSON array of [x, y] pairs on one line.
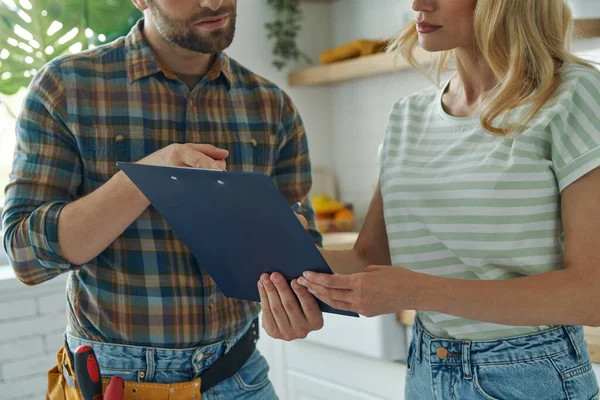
[[87, 111]]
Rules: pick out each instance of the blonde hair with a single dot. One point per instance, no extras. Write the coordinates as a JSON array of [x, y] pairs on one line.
[[521, 41]]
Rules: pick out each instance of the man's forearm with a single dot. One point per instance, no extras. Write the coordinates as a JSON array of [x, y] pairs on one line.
[[556, 298], [86, 227]]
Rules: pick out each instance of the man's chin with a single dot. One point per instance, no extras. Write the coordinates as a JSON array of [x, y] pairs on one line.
[[213, 42]]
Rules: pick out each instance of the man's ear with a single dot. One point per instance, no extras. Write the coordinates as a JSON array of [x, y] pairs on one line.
[[141, 5]]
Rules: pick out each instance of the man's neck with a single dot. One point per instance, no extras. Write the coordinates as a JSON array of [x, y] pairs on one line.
[[174, 58]]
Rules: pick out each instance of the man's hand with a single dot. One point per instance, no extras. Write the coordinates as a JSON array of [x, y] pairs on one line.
[[287, 314], [302, 220], [189, 155]]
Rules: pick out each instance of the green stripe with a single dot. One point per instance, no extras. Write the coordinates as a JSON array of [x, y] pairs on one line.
[[476, 219], [449, 203]]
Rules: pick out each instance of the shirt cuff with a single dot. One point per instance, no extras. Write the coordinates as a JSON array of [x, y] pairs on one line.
[[578, 168], [43, 233]]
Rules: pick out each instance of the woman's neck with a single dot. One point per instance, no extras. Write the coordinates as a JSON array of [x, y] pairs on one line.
[[468, 90]]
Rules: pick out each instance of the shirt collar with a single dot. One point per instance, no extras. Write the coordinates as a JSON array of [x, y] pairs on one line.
[[141, 61]]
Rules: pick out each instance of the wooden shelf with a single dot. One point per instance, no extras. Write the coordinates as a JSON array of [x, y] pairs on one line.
[[385, 63], [587, 28], [592, 335], [355, 68]]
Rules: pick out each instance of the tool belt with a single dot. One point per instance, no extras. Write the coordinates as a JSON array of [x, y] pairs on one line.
[[62, 384]]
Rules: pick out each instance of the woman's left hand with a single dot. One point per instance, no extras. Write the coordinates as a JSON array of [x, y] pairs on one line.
[[376, 291]]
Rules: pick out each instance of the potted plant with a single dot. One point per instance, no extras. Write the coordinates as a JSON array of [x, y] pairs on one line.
[[283, 30]]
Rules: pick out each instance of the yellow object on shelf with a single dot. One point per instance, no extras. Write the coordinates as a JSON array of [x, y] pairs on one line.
[[324, 204], [355, 49]]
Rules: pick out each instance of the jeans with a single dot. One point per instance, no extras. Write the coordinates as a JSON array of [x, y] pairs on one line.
[[148, 364], [549, 365]]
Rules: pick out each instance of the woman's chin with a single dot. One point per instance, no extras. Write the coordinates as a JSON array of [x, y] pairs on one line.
[[433, 46]]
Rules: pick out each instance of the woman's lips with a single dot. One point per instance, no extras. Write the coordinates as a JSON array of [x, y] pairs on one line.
[[425, 28]]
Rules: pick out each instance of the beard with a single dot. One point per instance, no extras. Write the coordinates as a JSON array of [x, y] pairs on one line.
[[180, 32]]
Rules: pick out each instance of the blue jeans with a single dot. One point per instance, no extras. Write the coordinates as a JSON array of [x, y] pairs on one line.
[[148, 364], [550, 365]]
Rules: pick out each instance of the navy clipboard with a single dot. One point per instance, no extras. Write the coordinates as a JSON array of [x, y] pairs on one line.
[[236, 224]]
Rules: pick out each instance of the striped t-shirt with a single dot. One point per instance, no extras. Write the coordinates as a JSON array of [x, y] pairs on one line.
[[462, 203]]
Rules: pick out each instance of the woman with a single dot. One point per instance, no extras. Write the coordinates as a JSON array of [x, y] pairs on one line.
[[488, 210]]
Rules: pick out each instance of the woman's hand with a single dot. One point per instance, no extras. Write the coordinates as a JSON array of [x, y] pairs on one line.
[[288, 313], [376, 291]]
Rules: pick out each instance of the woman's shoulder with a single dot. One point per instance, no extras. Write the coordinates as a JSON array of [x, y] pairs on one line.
[[416, 102], [577, 77], [579, 87]]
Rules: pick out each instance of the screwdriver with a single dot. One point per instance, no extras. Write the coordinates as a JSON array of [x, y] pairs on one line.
[[88, 373]]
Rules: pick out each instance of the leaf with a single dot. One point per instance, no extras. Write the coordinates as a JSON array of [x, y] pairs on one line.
[[112, 18]]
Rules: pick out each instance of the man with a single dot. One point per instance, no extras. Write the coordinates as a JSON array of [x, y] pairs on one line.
[[164, 95]]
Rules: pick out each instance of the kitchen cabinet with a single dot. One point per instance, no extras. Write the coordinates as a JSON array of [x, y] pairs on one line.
[[306, 387]]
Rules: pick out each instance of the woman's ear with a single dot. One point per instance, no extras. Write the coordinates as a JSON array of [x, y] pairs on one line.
[[141, 5]]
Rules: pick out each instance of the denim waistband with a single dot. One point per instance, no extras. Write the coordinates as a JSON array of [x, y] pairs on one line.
[[550, 342], [150, 359]]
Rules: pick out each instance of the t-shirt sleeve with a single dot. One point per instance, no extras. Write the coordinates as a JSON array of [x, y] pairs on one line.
[[382, 150], [576, 130]]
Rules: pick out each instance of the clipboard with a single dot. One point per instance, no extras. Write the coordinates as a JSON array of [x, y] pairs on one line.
[[236, 224]]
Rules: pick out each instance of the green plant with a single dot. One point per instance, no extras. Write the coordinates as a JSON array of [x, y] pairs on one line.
[[284, 31], [34, 32]]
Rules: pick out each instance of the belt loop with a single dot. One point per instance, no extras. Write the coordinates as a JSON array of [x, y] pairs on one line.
[[148, 376], [466, 359], [418, 340], [573, 343]]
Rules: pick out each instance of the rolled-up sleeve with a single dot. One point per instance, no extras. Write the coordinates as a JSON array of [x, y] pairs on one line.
[[45, 176]]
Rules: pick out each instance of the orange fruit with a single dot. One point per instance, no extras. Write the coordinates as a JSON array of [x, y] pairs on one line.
[[344, 220], [343, 214]]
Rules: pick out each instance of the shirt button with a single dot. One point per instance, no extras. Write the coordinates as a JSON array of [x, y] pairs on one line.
[[211, 305], [119, 138], [253, 142], [442, 353]]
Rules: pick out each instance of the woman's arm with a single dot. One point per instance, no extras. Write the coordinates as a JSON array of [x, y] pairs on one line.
[[568, 296], [371, 247]]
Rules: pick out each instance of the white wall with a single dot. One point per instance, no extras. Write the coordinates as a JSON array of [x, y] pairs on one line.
[[32, 322], [360, 108]]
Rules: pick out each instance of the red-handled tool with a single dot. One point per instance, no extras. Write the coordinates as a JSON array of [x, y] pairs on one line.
[[115, 389], [88, 373]]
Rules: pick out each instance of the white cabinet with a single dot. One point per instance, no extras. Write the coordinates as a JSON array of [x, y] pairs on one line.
[[305, 370], [307, 387]]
